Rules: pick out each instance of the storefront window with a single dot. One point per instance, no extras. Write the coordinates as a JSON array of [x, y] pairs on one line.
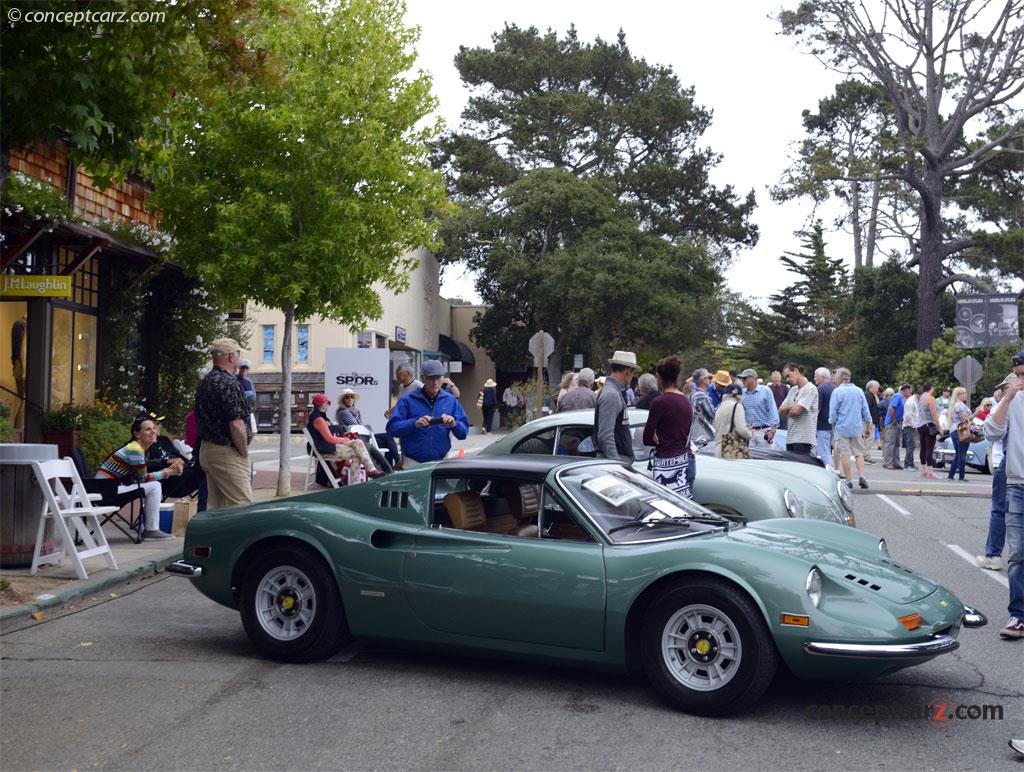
[[60, 356], [83, 359]]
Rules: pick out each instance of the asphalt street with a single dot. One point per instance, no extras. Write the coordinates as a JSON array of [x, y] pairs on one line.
[[163, 678]]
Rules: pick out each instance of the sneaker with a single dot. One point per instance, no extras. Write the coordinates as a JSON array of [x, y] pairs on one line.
[[849, 485], [1014, 629], [909, 466], [863, 483], [374, 473], [1018, 746], [889, 466], [995, 563], [156, 535]]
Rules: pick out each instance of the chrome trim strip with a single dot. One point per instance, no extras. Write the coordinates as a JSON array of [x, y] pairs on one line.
[[939, 644], [181, 568]]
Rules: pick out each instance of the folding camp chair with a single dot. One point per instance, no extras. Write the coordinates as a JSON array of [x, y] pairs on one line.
[[62, 503], [314, 459], [130, 526]]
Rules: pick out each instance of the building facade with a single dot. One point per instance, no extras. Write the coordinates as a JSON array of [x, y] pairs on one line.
[[416, 325], [54, 279]]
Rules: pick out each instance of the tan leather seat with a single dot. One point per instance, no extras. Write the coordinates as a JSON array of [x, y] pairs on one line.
[[523, 500], [465, 510]]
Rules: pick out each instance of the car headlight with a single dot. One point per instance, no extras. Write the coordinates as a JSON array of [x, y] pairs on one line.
[[794, 505], [813, 586], [845, 495], [883, 548]]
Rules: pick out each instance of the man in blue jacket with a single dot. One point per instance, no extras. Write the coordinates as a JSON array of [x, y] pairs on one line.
[[424, 418]]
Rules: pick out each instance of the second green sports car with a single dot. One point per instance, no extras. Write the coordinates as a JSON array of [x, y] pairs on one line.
[[576, 561]]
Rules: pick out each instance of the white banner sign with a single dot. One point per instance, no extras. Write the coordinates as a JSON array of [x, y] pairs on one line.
[[366, 371]]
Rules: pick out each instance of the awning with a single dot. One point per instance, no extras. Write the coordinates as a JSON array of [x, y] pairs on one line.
[[456, 351]]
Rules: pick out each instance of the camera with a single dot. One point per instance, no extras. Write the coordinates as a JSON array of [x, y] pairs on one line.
[[434, 420]]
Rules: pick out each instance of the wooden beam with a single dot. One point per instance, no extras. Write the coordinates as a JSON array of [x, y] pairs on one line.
[[18, 248], [84, 254], [153, 264]]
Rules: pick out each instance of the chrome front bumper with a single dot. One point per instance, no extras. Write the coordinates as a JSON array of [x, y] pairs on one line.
[[939, 644], [181, 568]]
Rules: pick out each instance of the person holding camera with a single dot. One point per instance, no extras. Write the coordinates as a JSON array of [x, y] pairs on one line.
[[425, 418]]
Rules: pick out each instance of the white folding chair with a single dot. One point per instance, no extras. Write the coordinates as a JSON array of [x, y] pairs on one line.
[[314, 459], [62, 503]]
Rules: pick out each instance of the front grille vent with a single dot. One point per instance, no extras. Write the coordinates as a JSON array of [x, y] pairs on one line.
[[862, 582]]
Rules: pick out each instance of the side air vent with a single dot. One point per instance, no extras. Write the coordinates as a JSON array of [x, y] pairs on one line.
[[862, 582]]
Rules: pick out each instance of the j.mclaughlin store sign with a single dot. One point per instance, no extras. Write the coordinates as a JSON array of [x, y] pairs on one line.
[[35, 286]]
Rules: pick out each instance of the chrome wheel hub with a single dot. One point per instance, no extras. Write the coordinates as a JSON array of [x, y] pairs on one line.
[[285, 603], [701, 647]]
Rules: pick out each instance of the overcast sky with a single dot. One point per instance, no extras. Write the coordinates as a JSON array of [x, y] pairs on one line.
[[753, 80]]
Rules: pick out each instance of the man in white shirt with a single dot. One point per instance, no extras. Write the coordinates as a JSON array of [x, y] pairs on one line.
[[909, 431]]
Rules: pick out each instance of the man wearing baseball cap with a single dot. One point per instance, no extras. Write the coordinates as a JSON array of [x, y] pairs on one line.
[[1007, 421], [425, 418], [223, 417]]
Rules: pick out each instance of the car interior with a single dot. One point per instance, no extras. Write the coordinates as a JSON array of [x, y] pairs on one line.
[[504, 507]]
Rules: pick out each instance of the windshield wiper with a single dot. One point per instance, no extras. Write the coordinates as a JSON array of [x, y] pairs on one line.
[[678, 522]]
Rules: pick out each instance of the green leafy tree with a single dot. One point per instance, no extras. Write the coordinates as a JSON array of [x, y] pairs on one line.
[[584, 199], [107, 85], [303, 191], [944, 67], [936, 363], [804, 320], [849, 143]]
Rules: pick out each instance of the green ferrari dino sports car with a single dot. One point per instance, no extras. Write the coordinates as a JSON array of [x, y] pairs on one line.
[[570, 560]]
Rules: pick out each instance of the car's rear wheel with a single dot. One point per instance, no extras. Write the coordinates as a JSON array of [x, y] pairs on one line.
[[290, 605], [707, 648]]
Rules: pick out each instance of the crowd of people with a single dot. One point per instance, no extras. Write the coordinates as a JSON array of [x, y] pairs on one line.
[[831, 416]]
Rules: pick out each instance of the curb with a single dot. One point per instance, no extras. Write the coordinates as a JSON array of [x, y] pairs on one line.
[[938, 492], [146, 567]]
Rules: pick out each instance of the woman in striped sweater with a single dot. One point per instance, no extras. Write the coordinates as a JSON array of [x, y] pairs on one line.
[[128, 465]]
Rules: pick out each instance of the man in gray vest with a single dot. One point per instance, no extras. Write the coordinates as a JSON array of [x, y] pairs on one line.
[[611, 419]]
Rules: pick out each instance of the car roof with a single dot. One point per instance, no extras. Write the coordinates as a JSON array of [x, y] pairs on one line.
[[525, 465]]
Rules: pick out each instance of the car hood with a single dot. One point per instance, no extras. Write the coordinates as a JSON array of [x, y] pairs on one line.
[[841, 565]]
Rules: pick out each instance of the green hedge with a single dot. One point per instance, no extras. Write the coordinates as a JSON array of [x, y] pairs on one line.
[[102, 436]]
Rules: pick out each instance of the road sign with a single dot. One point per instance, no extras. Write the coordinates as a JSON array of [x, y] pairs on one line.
[[541, 345], [986, 321], [968, 371]]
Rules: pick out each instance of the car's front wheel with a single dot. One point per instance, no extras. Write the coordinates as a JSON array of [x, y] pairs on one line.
[[707, 648], [290, 605]]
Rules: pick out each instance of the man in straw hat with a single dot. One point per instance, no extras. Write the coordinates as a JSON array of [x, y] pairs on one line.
[[611, 422], [223, 417], [720, 381]]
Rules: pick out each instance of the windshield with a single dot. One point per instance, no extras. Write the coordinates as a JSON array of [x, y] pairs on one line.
[[629, 507]]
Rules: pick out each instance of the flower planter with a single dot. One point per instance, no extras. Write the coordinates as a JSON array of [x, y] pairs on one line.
[[64, 440]]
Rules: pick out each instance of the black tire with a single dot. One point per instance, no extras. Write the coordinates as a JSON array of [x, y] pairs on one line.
[[746, 675], [322, 629]]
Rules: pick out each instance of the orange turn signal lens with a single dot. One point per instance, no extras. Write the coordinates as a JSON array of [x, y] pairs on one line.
[[797, 620], [910, 621]]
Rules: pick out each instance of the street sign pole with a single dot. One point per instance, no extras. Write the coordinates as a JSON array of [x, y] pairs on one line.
[[540, 376]]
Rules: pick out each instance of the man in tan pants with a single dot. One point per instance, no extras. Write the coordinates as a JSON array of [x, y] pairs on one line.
[[224, 431]]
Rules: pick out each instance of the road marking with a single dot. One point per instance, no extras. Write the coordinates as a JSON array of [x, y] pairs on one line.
[[957, 549], [894, 505]]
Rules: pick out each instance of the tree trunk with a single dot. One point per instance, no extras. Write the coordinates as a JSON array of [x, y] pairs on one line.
[[284, 470], [929, 267], [554, 360], [858, 250], [869, 250]]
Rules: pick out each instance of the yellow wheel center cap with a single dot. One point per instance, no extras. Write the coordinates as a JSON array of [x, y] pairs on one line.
[[703, 647], [287, 602]]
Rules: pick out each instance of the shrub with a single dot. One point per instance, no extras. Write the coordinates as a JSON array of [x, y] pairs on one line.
[[100, 437], [6, 428]]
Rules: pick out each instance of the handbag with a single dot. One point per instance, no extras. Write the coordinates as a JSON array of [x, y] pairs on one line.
[[933, 430], [734, 446], [966, 432]]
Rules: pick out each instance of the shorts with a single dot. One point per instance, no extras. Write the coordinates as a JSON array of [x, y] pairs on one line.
[[850, 446]]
